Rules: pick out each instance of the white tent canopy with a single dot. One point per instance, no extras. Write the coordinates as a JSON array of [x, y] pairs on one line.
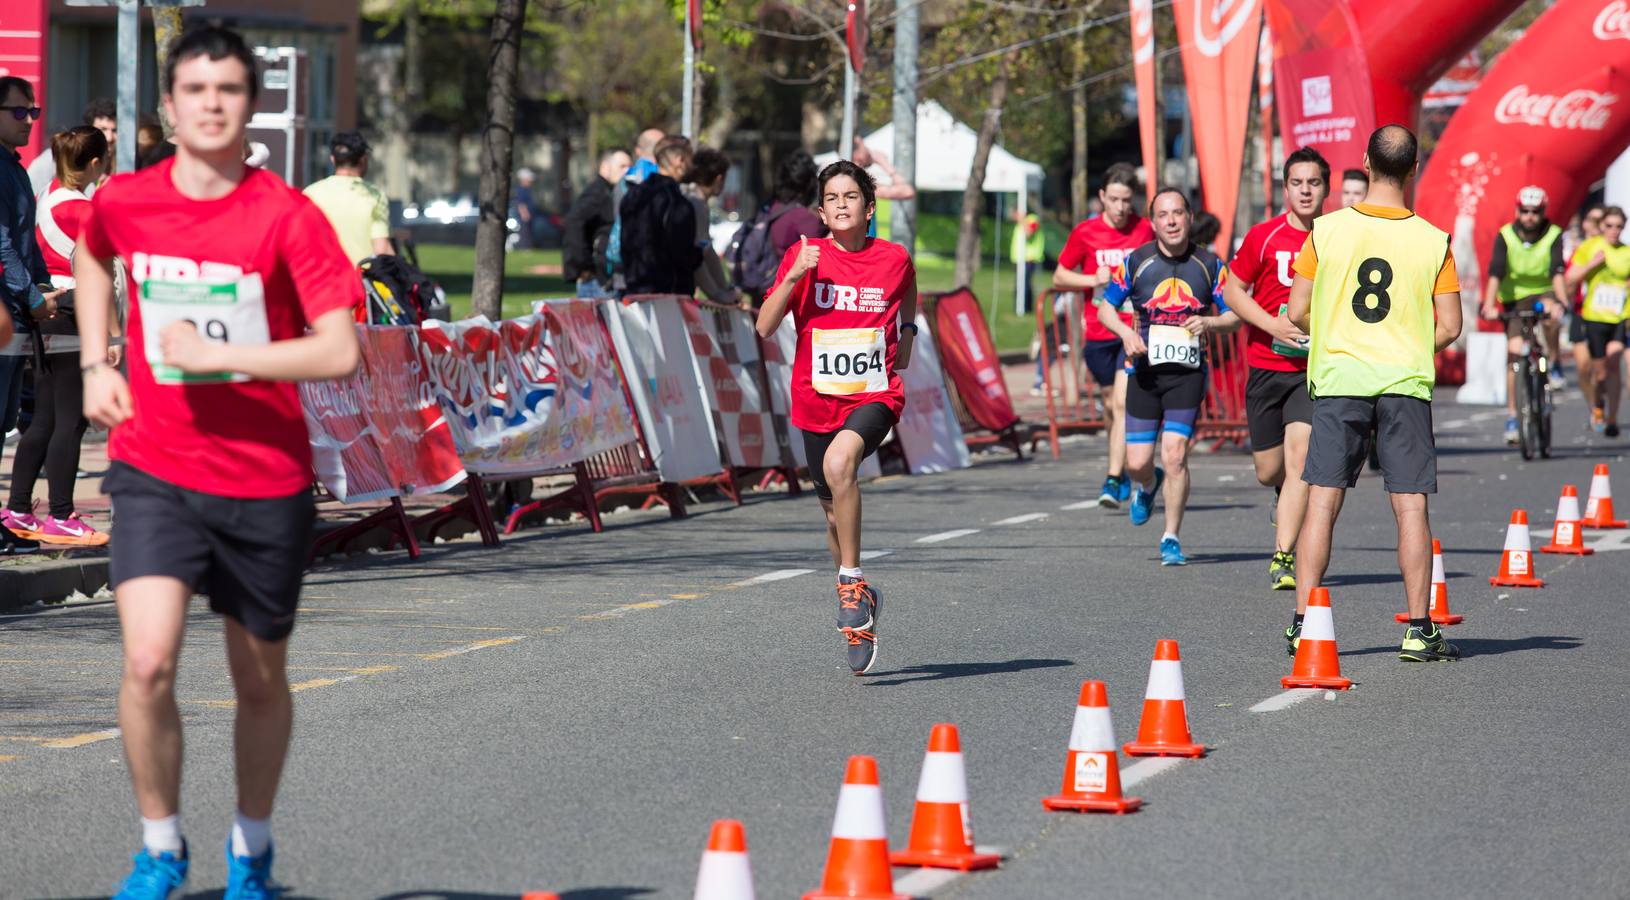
[[945, 150]]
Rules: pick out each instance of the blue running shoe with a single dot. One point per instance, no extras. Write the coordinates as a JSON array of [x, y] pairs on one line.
[[154, 877], [1171, 553], [250, 877], [1143, 502], [1126, 489], [1110, 497]]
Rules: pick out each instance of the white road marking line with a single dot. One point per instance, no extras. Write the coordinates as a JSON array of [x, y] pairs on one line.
[[767, 577], [1147, 769], [947, 535], [874, 554], [925, 881], [467, 648], [1084, 504], [1020, 520], [1288, 698]]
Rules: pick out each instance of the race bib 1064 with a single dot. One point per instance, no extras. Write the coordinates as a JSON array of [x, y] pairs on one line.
[[232, 312], [847, 361], [1174, 345]]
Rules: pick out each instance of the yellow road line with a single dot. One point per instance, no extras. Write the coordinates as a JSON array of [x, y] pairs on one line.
[[470, 648], [402, 609], [80, 740], [9, 758]]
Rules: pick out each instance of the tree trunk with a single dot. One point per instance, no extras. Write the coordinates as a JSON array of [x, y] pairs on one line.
[[497, 158], [726, 117], [973, 196], [1078, 159], [166, 28]]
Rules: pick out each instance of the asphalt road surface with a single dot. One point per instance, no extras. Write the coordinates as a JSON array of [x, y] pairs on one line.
[[569, 713]]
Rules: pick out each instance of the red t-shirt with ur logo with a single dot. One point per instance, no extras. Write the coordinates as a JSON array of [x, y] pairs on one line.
[[1264, 261], [846, 310]]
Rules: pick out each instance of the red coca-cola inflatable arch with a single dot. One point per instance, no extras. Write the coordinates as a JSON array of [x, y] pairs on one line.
[[1553, 112]]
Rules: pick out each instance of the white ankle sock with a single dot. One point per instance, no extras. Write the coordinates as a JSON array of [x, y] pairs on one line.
[[250, 837], [161, 835], [1168, 535], [846, 572]]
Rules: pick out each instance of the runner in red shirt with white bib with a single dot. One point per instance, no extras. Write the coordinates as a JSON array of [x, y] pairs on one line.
[[1278, 410], [238, 289], [1090, 257], [854, 300]]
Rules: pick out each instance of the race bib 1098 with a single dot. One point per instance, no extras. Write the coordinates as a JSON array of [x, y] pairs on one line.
[[232, 312], [1174, 345], [847, 361]]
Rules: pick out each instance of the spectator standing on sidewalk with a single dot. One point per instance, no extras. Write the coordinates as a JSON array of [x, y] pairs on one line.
[[355, 207], [53, 437], [525, 206], [794, 193], [1030, 245], [100, 114], [704, 182], [660, 255], [588, 226]]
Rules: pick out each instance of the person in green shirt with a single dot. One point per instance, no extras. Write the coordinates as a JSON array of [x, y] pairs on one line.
[[1030, 245], [1526, 266], [355, 207]]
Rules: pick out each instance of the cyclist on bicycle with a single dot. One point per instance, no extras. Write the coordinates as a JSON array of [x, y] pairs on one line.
[[1527, 265]]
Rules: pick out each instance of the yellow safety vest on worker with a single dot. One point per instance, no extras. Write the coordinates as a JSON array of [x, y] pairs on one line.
[[1372, 322]]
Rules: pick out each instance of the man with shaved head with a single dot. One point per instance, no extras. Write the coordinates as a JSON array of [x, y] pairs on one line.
[[1376, 293]]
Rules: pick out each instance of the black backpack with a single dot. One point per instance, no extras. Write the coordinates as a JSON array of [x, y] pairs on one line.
[[400, 294], [751, 256]]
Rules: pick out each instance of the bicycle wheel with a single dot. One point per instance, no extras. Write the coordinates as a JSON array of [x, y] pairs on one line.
[[1527, 427], [1543, 396]]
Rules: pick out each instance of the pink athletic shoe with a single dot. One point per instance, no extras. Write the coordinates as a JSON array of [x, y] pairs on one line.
[[22, 524], [72, 530]]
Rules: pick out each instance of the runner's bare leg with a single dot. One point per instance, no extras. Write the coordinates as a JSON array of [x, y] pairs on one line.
[[1115, 407], [842, 465], [1174, 455], [265, 716], [1313, 544], [152, 615], [1293, 493], [1414, 550]]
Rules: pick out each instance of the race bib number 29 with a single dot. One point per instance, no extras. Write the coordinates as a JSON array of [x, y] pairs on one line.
[[847, 361], [233, 312]]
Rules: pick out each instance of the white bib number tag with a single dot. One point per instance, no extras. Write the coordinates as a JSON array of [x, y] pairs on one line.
[[233, 312], [847, 361], [1609, 298], [1174, 345]]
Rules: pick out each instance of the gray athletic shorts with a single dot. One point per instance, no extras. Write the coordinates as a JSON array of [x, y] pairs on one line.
[[1403, 437]]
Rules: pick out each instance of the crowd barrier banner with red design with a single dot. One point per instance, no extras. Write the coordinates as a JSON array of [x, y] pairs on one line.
[[727, 364], [380, 433], [970, 357], [1553, 111], [531, 394], [928, 431], [1219, 44], [654, 347]]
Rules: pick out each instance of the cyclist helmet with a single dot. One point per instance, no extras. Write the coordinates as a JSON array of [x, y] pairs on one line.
[[1532, 196]]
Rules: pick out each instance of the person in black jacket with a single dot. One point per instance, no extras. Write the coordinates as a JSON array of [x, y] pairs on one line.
[[588, 226], [660, 250]]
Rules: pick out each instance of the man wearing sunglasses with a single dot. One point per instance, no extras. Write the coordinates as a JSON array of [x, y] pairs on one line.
[[1526, 265], [24, 267]]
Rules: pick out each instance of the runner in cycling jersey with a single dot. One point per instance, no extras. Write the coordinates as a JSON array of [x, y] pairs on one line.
[[1526, 265], [1166, 284]]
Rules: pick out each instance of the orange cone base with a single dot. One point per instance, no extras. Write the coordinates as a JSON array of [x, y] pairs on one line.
[[1189, 750], [1121, 807], [1437, 618], [1560, 548], [963, 862], [817, 895], [1328, 682], [1600, 526], [1517, 581]]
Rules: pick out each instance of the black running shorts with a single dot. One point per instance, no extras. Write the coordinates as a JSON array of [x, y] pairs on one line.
[[1403, 442], [871, 421], [1272, 401], [1599, 334], [247, 556], [1104, 359]]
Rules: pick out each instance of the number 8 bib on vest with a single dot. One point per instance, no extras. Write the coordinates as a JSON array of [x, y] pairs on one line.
[[1172, 344], [233, 312], [847, 361]]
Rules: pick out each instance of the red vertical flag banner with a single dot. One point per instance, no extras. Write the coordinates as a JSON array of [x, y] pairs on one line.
[[1219, 41], [23, 33], [695, 8], [1264, 102], [856, 34], [1143, 66], [1322, 82]]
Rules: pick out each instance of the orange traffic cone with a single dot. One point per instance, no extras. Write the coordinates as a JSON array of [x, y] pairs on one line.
[[1092, 772], [1517, 561], [941, 828], [724, 873], [1599, 508], [857, 865], [1566, 536], [1439, 609], [1317, 665], [1164, 728]]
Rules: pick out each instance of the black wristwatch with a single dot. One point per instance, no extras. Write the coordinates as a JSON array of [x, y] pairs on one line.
[[910, 325]]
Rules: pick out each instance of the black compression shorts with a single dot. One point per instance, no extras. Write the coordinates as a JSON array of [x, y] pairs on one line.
[[871, 421]]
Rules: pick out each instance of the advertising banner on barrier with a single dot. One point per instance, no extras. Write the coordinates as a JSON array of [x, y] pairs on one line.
[[655, 350], [726, 348], [929, 432], [970, 357], [345, 448], [528, 395]]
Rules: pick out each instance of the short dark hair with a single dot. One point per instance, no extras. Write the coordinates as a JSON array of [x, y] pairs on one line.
[[670, 146], [1609, 212], [1355, 175], [1169, 189], [1308, 155], [868, 184], [795, 179], [216, 43], [1122, 173], [708, 165], [1206, 227], [8, 82], [607, 154], [1393, 153], [348, 148], [100, 108]]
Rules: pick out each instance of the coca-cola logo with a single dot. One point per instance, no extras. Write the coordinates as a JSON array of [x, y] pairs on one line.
[[1580, 110], [1612, 22], [1217, 22]]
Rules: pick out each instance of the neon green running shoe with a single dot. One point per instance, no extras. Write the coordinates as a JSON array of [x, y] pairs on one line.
[[1282, 571], [1427, 646], [1293, 638]]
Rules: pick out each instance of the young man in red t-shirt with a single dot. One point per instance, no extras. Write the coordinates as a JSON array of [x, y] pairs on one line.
[[1279, 411], [238, 288], [1093, 251]]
